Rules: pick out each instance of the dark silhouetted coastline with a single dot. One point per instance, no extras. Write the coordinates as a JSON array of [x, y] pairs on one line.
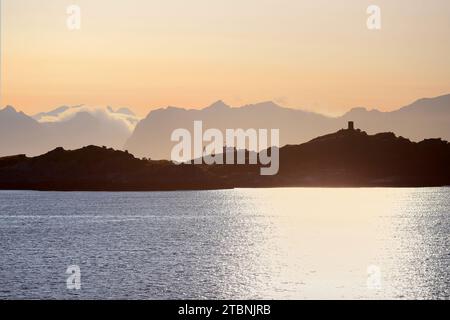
[[347, 158]]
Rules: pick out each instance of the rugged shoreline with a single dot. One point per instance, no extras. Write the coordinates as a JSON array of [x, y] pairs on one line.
[[345, 159]]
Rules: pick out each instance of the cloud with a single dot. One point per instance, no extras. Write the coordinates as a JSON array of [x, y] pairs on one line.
[[121, 117]]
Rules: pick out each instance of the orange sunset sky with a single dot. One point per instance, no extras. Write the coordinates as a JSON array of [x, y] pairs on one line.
[[315, 55]]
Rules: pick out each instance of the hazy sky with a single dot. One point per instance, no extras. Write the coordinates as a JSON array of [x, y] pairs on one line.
[[316, 54]]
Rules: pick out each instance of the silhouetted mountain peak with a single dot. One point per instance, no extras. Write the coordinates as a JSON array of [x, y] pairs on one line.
[[445, 97], [218, 105], [46, 116], [53, 112], [265, 105], [348, 136], [171, 108], [361, 111], [54, 151], [439, 104], [11, 115], [91, 153], [342, 134], [9, 109], [358, 109]]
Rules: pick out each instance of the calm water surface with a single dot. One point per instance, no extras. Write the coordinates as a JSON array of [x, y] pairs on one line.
[[234, 244]]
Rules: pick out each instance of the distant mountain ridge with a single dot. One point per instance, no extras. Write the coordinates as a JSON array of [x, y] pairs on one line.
[[77, 126], [53, 114], [70, 127], [425, 118]]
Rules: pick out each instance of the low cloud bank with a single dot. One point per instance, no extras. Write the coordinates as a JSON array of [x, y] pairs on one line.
[[122, 117]]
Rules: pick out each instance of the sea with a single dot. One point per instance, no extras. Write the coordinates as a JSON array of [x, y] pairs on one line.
[[284, 243]]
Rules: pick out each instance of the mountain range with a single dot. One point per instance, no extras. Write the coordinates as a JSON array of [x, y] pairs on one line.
[[68, 127], [425, 118], [73, 127]]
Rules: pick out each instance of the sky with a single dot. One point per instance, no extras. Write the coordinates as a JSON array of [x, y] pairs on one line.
[[144, 54]]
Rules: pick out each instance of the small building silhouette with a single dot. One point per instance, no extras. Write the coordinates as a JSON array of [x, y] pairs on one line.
[[351, 125]]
